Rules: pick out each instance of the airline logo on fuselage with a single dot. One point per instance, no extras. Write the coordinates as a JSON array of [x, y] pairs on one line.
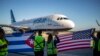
[[40, 20]]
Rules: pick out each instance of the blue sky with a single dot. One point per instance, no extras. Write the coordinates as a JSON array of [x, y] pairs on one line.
[[82, 12]]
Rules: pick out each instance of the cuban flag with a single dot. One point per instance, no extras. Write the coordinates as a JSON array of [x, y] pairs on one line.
[[20, 42]]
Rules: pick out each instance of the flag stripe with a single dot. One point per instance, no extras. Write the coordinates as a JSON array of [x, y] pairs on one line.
[[21, 50], [63, 37], [73, 41], [75, 47], [17, 42], [17, 38], [18, 46], [73, 44], [18, 34]]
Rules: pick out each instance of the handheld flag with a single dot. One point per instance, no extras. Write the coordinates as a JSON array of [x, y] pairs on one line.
[[20, 43], [76, 40]]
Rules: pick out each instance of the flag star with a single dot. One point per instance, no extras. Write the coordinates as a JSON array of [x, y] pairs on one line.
[[31, 41]]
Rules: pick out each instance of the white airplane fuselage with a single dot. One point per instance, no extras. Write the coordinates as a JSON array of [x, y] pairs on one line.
[[52, 22]]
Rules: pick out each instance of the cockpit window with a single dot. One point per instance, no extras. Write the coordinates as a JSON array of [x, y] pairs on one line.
[[61, 18], [65, 18], [58, 18]]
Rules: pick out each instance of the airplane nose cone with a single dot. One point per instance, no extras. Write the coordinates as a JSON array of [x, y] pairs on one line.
[[71, 24], [68, 24]]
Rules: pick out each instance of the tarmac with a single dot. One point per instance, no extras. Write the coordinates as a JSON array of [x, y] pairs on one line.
[[77, 52]]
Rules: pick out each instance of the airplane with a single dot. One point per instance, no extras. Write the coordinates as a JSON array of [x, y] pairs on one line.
[[54, 22]]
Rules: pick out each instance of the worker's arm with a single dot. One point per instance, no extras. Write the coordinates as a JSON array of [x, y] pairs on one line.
[[92, 34], [57, 39], [32, 36]]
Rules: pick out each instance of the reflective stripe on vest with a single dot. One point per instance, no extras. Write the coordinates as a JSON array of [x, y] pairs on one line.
[[38, 43], [91, 43], [51, 49], [3, 51]]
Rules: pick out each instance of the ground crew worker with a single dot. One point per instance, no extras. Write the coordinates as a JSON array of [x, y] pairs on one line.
[[39, 43], [96, 44], [3, 43], [51, 45]]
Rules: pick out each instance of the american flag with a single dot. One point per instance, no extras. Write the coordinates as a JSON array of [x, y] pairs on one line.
[[76, 40]]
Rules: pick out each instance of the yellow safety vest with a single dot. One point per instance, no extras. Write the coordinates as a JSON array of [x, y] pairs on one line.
[[98, 45], [38, 43], [51, 49], [3, 51]]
